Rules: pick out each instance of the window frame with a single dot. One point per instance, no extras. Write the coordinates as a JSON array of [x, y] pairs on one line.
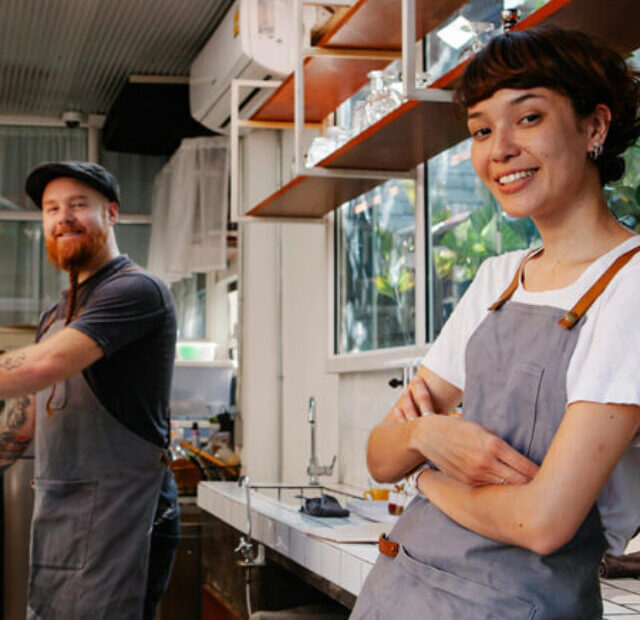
[[391, 357], [93, 127]]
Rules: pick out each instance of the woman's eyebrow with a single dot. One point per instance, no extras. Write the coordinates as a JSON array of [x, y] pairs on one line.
[[516, 101], [526, 97]]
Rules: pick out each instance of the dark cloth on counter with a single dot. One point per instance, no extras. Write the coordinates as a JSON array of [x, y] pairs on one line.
[[323, 506], [130, 315], [620, 566]]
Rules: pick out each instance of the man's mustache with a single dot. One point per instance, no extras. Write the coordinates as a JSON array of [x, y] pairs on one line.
[[65, 228]]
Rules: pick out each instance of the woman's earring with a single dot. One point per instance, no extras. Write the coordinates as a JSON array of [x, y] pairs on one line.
[[596, 152]]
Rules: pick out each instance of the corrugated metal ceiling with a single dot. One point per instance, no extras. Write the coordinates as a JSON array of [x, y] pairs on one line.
[[57, 55]]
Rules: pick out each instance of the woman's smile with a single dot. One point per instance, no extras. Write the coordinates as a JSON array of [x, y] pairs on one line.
[[512, 182]]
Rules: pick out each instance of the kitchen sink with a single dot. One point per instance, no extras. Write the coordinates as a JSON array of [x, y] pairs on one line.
[[294, 494]]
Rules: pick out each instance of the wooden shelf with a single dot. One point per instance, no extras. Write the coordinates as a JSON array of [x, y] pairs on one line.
[[416, 131], [369, 24]]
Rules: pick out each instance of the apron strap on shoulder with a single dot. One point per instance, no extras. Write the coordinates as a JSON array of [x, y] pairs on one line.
[[511, 289], [585, 302]]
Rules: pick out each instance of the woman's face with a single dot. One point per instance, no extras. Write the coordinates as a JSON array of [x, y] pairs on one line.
[[530, 150]]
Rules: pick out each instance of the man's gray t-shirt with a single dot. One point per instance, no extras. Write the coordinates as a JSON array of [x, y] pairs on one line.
[[130, 315]]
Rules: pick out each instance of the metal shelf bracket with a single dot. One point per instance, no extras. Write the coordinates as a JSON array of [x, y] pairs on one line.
[[409, 60]]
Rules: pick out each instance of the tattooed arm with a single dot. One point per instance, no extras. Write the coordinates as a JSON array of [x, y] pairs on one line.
[[17, 423], [32, 368]]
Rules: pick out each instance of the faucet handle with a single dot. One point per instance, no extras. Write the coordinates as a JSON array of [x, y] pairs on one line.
[[327, 470], [243, 546]]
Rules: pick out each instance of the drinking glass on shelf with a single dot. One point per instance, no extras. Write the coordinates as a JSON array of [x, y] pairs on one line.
[[319, 149], [374, 103], [381, 99], [338, 134], [479, 30], [358, 118]]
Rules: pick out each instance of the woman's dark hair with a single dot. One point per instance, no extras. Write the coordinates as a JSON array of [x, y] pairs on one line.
[[570, 63]]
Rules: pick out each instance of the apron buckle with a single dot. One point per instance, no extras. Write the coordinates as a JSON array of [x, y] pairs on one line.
[[388, 547]]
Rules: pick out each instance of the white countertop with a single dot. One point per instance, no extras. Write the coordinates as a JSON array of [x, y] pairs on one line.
[[283, 528]]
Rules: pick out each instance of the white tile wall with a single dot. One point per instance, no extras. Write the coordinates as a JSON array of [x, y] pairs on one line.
[[331, 559], [621, 599], [365, 399], [350, 573], [297, 546], [313, 554], [268, 531], [239, 516], [282, 538]]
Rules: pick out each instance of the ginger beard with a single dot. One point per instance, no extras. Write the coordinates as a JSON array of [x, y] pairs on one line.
[[76, 252]]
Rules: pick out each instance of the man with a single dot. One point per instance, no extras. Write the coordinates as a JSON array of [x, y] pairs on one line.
[[105, 521]]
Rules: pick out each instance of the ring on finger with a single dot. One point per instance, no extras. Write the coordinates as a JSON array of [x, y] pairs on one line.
[[501, 481]]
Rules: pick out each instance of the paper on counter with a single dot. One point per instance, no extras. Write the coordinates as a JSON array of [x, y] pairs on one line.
[[374, 510], [353, 533]]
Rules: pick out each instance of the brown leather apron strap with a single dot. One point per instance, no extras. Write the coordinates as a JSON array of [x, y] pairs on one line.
[[388, 547], [585, 302], [511, 289]]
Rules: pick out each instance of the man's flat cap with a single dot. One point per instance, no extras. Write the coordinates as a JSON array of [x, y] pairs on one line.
[[93, 175]]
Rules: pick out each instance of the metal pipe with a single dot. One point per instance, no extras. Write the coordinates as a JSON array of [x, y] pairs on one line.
[[312, 421], [298, 82]]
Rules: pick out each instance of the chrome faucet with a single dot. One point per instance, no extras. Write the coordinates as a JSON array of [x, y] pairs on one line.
[[245, 545], [314, 469]]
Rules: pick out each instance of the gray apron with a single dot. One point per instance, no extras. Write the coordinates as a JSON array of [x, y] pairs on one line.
[[516, 365], [96, 490]]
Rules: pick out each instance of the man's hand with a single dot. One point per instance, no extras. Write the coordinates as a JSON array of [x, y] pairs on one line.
[[470, 453]]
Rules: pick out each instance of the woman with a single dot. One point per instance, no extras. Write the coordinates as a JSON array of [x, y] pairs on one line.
[[526, 491]]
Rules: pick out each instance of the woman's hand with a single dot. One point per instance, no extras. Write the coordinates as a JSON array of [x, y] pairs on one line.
[[470, 453], [463, 450], [414, 401]]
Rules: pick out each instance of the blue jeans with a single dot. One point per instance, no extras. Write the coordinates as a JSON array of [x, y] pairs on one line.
[[164, 542]]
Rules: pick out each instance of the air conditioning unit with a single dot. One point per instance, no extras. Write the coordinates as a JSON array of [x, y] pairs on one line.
[[254, 41]]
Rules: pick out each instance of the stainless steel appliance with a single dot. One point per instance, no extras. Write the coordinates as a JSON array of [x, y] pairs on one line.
[[17, 507]]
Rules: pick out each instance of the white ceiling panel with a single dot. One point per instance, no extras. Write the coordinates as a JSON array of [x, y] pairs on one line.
[[57, 55]]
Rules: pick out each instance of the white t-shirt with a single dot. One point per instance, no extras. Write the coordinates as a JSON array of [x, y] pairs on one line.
[[604, 367]]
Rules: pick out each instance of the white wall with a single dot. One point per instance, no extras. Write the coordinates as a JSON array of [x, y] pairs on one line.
[[304, 351], [348, 405], [285, 328], [259, 357]]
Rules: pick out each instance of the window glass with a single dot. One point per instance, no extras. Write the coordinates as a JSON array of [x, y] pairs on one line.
[[624, 195], [467, 226], [467, 30], [133, 240], [375, 269], [190, 299], [28, 284], [135, 174], [23, 148]]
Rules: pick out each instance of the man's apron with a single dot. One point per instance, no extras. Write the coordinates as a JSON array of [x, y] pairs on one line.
[[96, 490], [516, 366]]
